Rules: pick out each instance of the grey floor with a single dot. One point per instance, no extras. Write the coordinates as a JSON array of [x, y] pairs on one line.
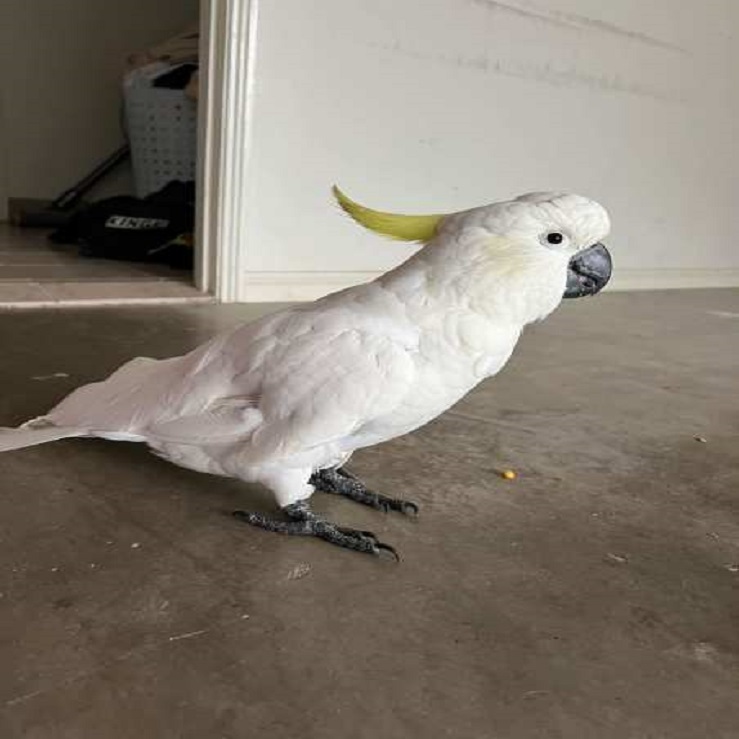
[[594, 597]]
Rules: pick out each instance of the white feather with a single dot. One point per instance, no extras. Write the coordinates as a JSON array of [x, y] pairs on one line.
[[20, 438]]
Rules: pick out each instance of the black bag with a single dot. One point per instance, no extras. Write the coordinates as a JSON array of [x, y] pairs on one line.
[[157, 228]]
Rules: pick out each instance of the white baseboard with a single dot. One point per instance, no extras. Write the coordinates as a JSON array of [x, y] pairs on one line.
[[673, 279], [278, 287]]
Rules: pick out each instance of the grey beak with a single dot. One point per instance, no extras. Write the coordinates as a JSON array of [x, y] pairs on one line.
[[588, 272]]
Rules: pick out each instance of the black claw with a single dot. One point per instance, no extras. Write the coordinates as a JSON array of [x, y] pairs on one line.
[[342, 482], [304, 522], [409, 508], [380, 548]]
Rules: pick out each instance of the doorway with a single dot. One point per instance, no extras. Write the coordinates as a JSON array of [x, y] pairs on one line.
[[63, 111]]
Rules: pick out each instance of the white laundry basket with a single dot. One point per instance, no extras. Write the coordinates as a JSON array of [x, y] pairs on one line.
[[162, 131]]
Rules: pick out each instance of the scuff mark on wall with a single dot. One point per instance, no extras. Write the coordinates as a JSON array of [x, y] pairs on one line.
[[546, 73], [565, 19], [522, 12]]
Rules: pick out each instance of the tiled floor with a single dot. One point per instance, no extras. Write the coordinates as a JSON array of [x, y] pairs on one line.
[[34, 272]]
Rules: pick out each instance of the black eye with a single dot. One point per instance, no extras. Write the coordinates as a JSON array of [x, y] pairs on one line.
[[555, 238]]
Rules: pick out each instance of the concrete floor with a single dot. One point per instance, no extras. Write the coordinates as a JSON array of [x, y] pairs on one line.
[[595, 597]]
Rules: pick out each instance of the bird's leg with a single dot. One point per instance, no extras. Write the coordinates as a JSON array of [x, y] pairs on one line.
[[304, 522], [340, 482]]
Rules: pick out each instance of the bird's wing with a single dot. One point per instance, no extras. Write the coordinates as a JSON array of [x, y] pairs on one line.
[[283, 384], [123, 401], [145, 393], [224, 421], [304, 387], [323, 394]]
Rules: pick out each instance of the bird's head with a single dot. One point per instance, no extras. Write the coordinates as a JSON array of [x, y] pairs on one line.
[[540, 247]]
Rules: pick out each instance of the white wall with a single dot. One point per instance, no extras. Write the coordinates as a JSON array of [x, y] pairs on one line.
[[60, 85], [437, 105]]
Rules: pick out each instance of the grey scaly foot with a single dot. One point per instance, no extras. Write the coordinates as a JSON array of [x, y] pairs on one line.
[[340, 482], [306, 523]]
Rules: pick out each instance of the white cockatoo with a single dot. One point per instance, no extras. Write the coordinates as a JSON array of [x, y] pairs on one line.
[[285, 400]]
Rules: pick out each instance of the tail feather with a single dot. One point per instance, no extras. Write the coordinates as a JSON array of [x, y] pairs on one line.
[[22, 437]]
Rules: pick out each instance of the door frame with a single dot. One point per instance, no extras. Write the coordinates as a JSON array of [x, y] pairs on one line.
[[227, 49]]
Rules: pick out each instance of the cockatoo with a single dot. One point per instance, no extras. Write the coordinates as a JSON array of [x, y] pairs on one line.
[[285, 400]]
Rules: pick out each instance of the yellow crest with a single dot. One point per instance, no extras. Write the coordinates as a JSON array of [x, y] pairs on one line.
[[394, 225]]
